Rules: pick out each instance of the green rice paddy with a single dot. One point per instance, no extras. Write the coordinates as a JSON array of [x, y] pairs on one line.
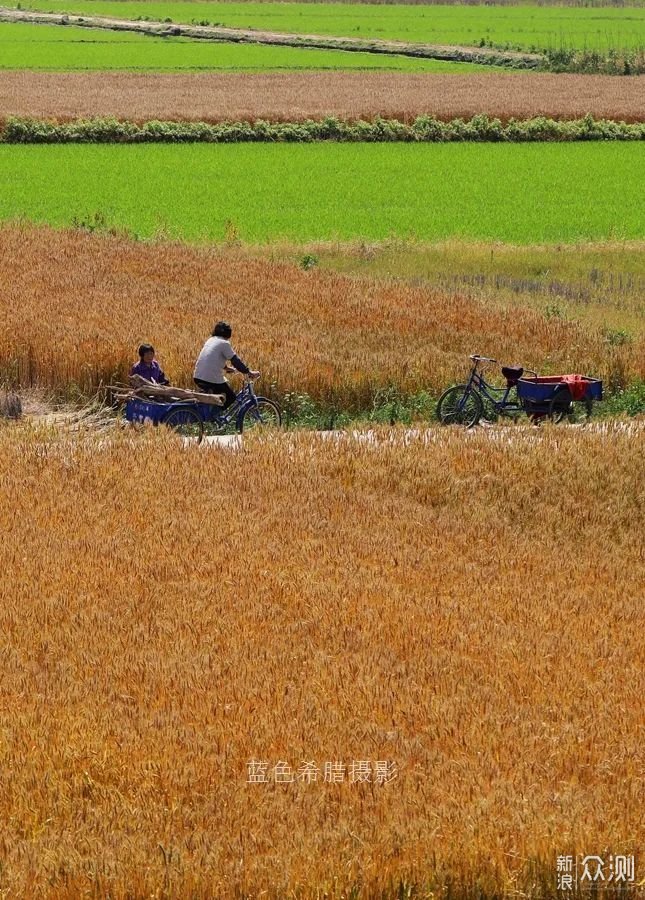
[[50, 47], [522, 194], [526, 27]]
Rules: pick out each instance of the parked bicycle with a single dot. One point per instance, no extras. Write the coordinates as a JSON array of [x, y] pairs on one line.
[[554, 397]]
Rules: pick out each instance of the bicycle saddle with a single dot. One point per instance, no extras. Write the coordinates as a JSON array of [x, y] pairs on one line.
[[512, 373]]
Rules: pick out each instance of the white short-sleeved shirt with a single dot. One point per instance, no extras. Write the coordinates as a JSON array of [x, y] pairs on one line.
[[212, 359]]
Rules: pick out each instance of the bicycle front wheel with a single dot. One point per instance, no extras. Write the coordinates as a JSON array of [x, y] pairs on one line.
[[460, 406], [264, 415], [186, 421]]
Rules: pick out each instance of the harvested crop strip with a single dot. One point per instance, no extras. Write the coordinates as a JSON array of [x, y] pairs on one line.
[[464, 609], [73, 308]]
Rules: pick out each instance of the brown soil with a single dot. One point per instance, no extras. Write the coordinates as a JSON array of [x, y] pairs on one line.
[[290, 96]]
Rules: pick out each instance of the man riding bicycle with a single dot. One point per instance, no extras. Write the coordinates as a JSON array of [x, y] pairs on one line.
[[212, 362]]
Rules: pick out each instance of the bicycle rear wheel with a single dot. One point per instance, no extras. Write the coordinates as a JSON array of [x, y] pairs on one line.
[[186, 421], [563, 407], [459, 406], [218, 427], [264, 415]]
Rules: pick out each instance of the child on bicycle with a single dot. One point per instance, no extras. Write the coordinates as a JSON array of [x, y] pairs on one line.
[[212, 363]]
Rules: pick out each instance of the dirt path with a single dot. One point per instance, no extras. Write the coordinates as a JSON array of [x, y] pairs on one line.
[[482, 55], [375, 437], [58, 426]]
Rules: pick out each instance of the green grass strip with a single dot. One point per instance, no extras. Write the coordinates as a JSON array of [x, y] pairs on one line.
[[56, 48]]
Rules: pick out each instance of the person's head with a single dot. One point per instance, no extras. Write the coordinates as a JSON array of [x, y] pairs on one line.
[[222, 330], [146, 353]]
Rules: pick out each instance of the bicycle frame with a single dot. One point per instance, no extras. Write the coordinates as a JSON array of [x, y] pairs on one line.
[[489, 391], [245, 398], [501, 404]]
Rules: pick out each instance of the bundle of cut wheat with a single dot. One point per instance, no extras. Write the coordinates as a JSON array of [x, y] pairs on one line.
[[142, 389]]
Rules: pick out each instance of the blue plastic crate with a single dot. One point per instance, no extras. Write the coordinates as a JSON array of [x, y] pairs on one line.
[[542, 389], [146, 411]]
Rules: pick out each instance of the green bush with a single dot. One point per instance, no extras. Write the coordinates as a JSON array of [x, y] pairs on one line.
[[423, 129], [593, 62], [628, 401]]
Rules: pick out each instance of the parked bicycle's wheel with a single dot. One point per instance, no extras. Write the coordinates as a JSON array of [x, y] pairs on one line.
[[264, 415], [186, 421], [459, 406], [562, 407]]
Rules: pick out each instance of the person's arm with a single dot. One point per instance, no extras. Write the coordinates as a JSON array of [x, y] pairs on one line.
[[238, 364], [162, 377], [243, 368]]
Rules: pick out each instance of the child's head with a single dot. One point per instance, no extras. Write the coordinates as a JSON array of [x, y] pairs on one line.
[[146, 353]]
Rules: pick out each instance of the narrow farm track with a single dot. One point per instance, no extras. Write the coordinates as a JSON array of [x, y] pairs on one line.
[[482, 55], [61, 428], [377, 437]]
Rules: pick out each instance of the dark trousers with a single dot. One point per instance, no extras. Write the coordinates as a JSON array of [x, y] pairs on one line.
[[209, 387]]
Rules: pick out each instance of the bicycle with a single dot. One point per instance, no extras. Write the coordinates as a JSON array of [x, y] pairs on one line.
[[553, 396], [193, 419]]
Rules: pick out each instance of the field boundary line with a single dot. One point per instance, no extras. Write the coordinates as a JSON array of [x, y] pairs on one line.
[[448, 53]]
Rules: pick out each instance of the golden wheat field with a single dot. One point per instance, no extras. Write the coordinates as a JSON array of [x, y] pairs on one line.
[[74, 306], [280, 96], [174, 617]]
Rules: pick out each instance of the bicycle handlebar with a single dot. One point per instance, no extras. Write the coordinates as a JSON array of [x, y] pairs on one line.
[[483, 359], [245, 375]]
